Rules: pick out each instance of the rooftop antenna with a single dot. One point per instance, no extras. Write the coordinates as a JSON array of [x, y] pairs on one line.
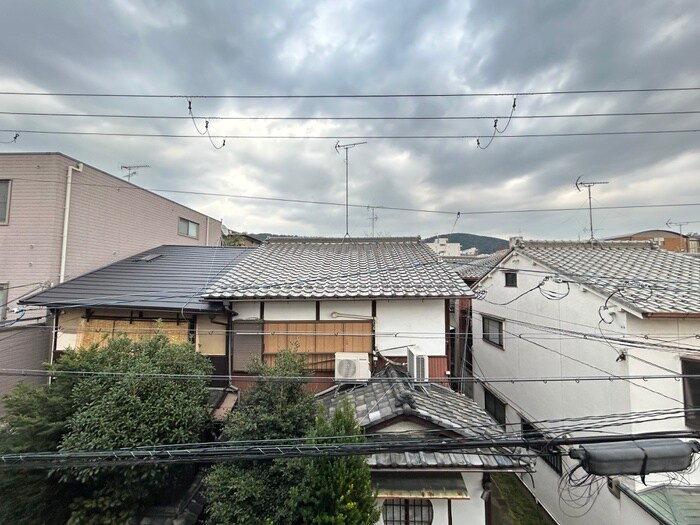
[[346, 147], [589, 185], [372, 217], [680, 225], [131, 170]]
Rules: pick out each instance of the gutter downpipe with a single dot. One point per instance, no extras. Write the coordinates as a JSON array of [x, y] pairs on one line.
[[66, 217]]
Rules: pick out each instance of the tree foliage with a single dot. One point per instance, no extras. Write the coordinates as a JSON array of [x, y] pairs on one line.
[[292, 491], [106, 413], [337, 491]]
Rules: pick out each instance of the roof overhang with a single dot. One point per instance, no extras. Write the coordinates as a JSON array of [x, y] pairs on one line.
[[672, 315], [419, 485]]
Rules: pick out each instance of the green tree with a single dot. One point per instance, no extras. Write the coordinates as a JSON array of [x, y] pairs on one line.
[[257, 492], [324, 491], [337, 491], [106, 413]]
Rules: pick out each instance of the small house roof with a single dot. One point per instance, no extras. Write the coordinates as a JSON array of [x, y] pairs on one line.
[[392, 395], [303, 267]]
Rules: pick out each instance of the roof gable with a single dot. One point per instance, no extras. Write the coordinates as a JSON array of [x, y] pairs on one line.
[[638, 276]]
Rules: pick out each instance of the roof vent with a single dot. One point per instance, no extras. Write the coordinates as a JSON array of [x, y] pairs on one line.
[[352, 367], [148, 257]]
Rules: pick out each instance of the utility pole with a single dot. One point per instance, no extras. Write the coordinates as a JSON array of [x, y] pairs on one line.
[[589, 185], [346, 147], [131, 170]]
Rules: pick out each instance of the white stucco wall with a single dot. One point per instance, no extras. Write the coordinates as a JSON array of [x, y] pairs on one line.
[[402, 322], [531, 351]]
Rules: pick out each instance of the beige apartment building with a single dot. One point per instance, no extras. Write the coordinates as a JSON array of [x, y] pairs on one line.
[[60, 218]]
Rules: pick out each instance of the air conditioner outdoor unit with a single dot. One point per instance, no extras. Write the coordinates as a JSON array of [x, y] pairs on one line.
[[417, 364], [351, 366]]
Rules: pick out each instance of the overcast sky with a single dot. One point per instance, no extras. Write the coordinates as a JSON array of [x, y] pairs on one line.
[[373, 47]]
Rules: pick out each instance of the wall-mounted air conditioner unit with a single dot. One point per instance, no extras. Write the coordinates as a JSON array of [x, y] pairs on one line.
[[351, 367], [417, 364]]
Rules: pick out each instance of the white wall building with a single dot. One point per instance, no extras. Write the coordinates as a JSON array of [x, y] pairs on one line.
[[444, 248], [580, 311]]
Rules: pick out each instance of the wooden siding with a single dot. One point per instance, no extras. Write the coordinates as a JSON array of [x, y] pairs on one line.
[[318, 341]]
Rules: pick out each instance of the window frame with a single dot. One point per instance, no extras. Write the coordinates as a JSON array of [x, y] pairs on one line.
[[4, 299], [188, 223], [691, 391], [513, 283], [487, 334], [6, 220], [495, 407], [404, 505]]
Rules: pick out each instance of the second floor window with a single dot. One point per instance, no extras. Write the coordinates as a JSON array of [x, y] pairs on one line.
[[495, 407], [511, 279], [492, 330], [188, 228], [4, 201], [691, 392]]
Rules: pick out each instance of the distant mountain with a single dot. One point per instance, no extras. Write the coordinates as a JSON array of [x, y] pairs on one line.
[[481, 242]]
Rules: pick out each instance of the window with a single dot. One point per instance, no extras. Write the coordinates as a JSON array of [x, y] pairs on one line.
[[492, 330], [691, 391], [511, 279], [495, 407], [3, 300], [550, 455], [188, 228], [407, 512], [4, 201]]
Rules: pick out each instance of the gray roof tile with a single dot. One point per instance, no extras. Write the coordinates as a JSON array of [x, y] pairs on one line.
[[167, 277], [643, 277], [340, 268], [380, 401]]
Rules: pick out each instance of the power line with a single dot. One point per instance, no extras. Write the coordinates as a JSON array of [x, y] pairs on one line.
[[350, 137], [353, 118], [358, 95], [378, 207]]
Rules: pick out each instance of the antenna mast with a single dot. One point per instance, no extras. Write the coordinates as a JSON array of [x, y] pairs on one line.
[[589, 185], [131, 170], [373, 217], [346, 147]]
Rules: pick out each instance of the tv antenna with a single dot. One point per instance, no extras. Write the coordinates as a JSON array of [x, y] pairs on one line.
[[372, 217], [680, 225], [131, 170], [346, 147], [579, 183]]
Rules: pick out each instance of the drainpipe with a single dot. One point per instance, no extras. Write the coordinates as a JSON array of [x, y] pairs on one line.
[[66, 216]]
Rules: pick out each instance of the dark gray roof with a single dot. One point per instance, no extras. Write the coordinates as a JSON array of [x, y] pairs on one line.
[[340, 268], [167, 277], [380, 401], [644, 278]]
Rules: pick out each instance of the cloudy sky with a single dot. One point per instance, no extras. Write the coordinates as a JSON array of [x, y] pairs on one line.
[[417, 155]]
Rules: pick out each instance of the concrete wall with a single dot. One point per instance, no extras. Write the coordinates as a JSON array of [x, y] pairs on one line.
[[110, 219], [22, 348], [532, 351]]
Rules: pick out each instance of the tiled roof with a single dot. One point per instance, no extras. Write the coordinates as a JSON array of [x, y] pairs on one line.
[[340, 268], [378, 402], [642, 277], [480, 266], [166, 277]]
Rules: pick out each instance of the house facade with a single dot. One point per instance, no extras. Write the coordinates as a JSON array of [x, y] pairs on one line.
[[60, 218], [373, 297], [587, 325], [427, 487], [365, 298]]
